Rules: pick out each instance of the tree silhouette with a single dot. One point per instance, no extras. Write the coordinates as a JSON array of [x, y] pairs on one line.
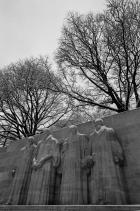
[[99, 56]]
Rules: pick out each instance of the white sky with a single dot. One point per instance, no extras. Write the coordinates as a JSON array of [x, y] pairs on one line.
[[33, 27]]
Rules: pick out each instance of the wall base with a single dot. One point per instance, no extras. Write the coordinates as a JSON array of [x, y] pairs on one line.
[[69, 208]]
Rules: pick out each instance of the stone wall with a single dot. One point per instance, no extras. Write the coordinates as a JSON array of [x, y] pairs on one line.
[[127, 126]]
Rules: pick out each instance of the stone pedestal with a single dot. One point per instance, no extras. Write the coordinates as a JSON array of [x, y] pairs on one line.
[[68, 208]]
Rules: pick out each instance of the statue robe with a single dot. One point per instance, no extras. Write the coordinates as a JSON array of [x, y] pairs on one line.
[[22, 176], [106, 185], [41, 181], [74, 182]]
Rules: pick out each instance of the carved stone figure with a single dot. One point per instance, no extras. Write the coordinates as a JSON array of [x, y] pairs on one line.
[[74, 180], [22, 174], [48, 158], [106, 186], [6, 174]]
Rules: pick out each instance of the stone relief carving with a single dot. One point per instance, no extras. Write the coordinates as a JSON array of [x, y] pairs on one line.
[[83, 169], [48, 158], [72, 186], [106, 185], [22, 174]]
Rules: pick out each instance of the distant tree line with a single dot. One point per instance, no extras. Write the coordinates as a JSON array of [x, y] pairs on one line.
[[98, 73]]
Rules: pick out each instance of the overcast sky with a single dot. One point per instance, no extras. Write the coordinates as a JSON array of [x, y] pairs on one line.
[[33, 27]]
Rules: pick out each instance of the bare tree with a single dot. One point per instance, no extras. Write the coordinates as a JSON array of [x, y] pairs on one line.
[[99, 56], [28, 101]]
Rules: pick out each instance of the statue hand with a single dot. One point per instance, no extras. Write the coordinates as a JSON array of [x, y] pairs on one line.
[[116, 159], [36, 165], [91, 161], [56, 161], [119, 160], [88, 162], [13, 172]]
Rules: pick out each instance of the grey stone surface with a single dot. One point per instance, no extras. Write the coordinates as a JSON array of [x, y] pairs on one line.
[[47, 158], [23, 171], [69, 208], [74, 182], [106, 182], [127, 127]]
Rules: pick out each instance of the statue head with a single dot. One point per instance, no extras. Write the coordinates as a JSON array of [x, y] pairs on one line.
[[48, 132], [31, 140], [73, 129], [98, 123]]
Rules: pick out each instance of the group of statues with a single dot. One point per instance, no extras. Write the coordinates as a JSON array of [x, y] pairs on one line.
[[83, 169]]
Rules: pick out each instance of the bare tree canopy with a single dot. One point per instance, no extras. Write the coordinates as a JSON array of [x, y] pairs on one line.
[[28, 101], [99, 56]]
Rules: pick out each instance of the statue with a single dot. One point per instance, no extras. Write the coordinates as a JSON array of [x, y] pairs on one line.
[[22, 174], [106, 186], [74, 181], [48, 158]]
